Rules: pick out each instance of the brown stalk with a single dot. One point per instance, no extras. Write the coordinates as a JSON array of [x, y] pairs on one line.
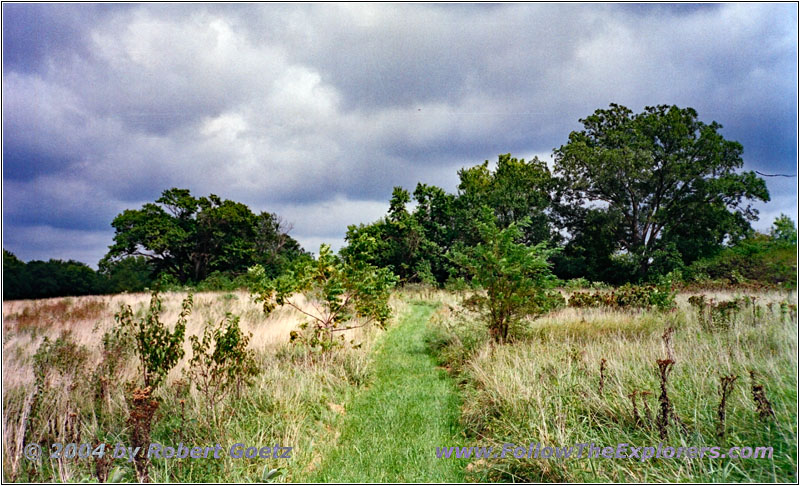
[[763, 406], [602, 376], [665, 407], [636, 418], [726, 385]]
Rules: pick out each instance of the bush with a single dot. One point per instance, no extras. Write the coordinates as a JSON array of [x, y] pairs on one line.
[[628, 296], [221, 362], [515, 276], [344, 291]]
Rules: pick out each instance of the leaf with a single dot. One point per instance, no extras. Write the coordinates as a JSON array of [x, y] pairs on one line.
[[268, 474]]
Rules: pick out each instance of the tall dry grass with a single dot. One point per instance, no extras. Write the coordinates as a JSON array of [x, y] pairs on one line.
[[294, 400], [545, 387]]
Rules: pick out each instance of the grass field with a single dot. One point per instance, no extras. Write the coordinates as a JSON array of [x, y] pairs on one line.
[[376, 410]]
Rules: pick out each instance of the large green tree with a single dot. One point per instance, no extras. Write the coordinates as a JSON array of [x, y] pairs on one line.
[[400, 241], [191, 237], [515, 190], [667, 181]]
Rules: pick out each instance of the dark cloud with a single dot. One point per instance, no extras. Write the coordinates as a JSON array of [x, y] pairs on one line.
[[35, 33], [316, 111]]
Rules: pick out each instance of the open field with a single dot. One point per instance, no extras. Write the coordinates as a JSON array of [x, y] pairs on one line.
[[335, 409], [546, 387]]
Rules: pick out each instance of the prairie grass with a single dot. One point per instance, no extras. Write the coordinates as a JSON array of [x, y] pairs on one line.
[[544, 388], [293, 402]]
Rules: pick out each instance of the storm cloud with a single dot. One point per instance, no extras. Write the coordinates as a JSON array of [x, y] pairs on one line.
[[316, 111]]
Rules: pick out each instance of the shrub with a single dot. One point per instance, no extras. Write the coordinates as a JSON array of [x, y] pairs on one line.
[[514, 276], [221, 362], [158, 350], [343, 291], [627, 296]]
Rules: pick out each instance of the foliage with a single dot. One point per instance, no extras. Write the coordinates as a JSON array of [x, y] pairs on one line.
[[400, 243], [768, 260], [158, 349], [414, 245], [346, 292], [130, 274], [221, 362], [191, 237], [516, 191], [513, 275], [662, 176], [54, 278], [784, 231], [627, 296]]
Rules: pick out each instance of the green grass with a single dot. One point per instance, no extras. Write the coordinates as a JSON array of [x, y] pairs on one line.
[[392, 429]]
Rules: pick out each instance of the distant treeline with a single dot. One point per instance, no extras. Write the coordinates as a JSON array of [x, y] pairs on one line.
[[56, 278], [180, 240], [631, 198]]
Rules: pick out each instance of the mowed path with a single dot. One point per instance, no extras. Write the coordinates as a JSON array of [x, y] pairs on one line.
[[392, 428]]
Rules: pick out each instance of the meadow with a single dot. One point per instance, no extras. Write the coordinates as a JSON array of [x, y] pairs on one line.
[[375, 408]]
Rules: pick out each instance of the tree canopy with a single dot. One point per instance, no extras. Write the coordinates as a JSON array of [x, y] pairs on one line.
[[189, 237], [666, 182]]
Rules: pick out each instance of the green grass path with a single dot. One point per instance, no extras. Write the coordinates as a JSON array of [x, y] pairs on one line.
[[392, 428]]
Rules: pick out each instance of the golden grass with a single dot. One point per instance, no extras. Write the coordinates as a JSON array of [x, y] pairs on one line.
[[27, 322]]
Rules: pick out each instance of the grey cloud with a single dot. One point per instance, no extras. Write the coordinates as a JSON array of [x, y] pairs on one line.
[[303, 109]]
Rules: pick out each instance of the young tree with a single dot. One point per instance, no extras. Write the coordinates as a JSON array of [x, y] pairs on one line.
[[158, 350], [221, 363], [514, 276], [784, 231], [344, 293], [669, 177]]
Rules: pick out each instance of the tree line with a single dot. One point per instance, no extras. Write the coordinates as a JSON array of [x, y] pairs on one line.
[[630, 198], [204, 242]]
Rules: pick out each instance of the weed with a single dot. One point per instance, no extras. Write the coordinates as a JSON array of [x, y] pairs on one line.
[[726, 385], [665, 407], [602, 376], [763, 406], [636, 418], [667, 338], [143, 408], [647, 413], [102, 463], [221, 363]]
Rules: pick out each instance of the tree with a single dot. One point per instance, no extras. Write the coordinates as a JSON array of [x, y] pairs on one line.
[[514, 276], [190, 237], [516, 190], [16, 280], [670, 178], [345, 293], [53, 278], [129, 274], [401, 244], [784, 231]]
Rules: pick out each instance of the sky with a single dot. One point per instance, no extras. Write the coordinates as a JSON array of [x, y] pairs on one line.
[[315, 111]]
